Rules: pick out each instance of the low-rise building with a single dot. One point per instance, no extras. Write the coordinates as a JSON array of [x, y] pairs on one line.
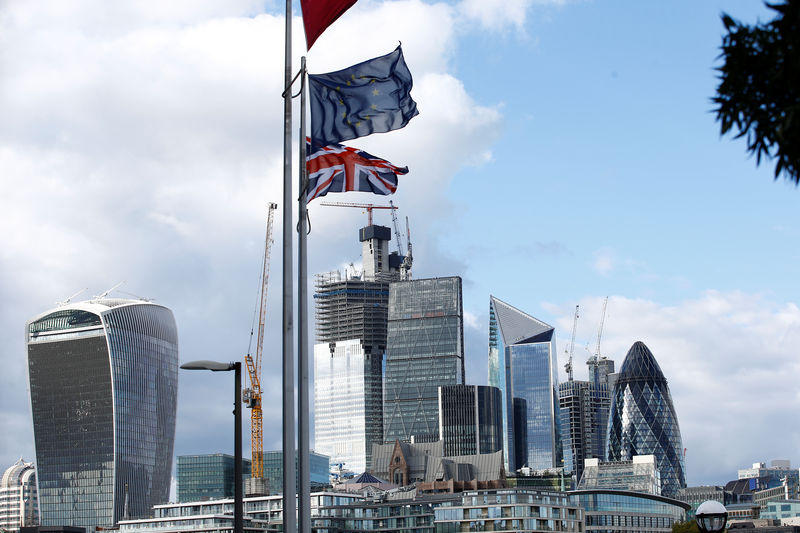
[[521, 510], [694, 496], [639, 474], [623, 510], [262, 513], [18, 497]]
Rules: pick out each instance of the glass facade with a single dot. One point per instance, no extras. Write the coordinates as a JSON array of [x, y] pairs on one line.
[[425, 350], [103, 382], [470, 419], [609, 511], [348, 409], [523, 363], [351, 321], [207, 477], [319, 467], [643, 419]]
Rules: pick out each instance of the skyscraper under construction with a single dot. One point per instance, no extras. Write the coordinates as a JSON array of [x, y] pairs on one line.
[[351, 324]]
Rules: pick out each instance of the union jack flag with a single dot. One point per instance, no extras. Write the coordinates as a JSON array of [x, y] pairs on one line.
[[338, 168]]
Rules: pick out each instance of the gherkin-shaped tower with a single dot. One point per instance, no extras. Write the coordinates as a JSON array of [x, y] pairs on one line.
[[643, 420]]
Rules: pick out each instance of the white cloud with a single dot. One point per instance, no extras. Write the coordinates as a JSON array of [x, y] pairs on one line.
[[605, 261], [731, 364], [142, 143], [499, 14]]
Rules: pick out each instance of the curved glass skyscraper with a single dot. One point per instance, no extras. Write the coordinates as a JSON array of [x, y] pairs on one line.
[[643, 419], [104, 382]]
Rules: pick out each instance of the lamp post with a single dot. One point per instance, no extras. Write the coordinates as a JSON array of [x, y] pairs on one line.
[[711, 517], [214, 366]]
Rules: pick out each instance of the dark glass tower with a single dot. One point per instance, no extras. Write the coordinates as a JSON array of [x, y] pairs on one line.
[[424, 350], [643, 419], [523, 364], [470, 419], [104, 382]]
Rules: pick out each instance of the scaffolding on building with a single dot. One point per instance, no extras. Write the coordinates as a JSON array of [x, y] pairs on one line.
[[348, 307]]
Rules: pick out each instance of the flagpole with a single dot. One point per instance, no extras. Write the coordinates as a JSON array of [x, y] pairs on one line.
[[289, 478], [303, 459]]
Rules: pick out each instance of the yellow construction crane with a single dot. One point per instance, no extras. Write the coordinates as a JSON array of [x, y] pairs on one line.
[[251, 396]]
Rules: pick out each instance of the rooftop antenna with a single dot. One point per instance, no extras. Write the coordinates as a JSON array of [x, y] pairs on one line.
[[568, 366], [108, 291], [68, 300]]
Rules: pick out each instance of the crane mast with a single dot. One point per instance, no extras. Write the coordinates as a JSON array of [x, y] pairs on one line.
[[568, 366], [600, 330], [396, 228], [252, 395]]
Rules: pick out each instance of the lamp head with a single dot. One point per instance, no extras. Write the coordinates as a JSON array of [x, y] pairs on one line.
[[711, 517], [214, 366]]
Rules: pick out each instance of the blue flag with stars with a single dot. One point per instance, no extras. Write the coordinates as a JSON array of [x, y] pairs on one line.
[[370, 97]]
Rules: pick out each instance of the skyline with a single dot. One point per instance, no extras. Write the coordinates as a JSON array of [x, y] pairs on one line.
[[565, 151]]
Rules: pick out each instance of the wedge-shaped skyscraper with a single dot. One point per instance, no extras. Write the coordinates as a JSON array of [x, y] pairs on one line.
[[523, 364], [104, 383], [643, 419]]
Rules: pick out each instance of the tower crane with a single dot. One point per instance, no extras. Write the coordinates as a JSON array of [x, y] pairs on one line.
[[251, 396], [396, 228], [568, 366], [405, 267], [368, 207], [596, 358]]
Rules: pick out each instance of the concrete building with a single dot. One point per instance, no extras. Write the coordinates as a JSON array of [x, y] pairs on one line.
[[523, 364], [695, 496], [643, 419], [206, 477], [103, 382], [261, 514], [19, 504], [521, 510], [424, 351], [470, 419]]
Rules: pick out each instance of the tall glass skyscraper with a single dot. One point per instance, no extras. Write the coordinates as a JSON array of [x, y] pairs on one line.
[[104, 381], [424, 350], [643, 419], [347, 402], [523, 364]]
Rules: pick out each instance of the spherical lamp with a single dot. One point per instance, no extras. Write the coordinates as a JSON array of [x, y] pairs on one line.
[[711, 517]]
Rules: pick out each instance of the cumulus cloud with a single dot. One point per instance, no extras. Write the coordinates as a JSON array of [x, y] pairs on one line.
[[730, 362], [142, 143], [499, 14]]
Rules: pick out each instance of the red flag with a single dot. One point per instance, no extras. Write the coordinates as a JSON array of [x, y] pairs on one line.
[[319, 14]]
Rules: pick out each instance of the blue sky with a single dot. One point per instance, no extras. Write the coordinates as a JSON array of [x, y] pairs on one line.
[[565, 151]]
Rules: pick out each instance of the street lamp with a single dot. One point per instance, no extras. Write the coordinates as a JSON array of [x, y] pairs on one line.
[[711, 517], [214, 366]]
